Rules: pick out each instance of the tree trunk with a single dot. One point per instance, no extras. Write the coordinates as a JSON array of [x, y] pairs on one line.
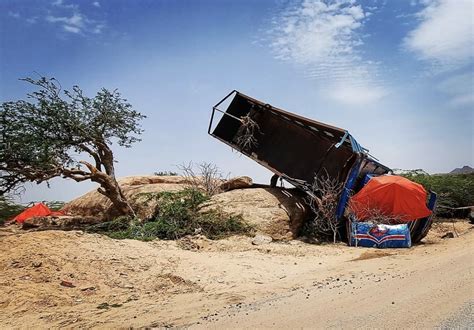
[[109, 186], [111, 189]]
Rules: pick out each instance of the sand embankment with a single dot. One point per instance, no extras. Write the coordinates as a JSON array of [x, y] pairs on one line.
[[229, 283]]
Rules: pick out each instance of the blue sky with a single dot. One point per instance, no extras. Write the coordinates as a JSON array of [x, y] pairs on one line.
[[397, 74]]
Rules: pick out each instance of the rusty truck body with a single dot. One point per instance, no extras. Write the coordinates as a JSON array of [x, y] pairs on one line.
[[296, 148]]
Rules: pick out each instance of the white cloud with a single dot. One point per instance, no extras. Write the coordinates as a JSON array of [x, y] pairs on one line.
[[75, 20], [357, 95], [444, 38], [61, 4], [32, 20], [17, 15], [445, 35], [324, 37], [14, 14], [72, 29], [98, 28], [76, 23], [460, 88], [315, 31], [73, 24], [67, 16]]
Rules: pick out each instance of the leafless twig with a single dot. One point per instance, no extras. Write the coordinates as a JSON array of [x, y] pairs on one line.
[[375, 215], [208, 177], [246, 135]]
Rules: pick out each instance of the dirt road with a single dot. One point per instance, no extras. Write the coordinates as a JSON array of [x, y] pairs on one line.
[[423, 290], [71, 279]]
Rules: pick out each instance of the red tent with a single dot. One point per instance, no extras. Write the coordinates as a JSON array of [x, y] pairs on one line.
[[38, 210], [391, 195]]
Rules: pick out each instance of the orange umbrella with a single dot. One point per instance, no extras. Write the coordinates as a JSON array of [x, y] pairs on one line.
[[391, 195], [38, 210]]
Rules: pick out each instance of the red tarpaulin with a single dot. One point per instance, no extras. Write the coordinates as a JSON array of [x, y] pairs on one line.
[[391, 195], [38, 210]]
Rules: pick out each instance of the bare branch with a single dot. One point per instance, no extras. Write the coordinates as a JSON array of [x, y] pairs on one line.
[[78, 178], [374, 215], [209, 178], [324, 205], [246, 134], [90, 167], [94, 155]]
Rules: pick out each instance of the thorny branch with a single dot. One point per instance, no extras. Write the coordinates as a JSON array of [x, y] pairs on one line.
[[324, 205]]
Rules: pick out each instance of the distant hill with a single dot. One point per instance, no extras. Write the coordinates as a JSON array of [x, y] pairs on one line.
[[464, 170]]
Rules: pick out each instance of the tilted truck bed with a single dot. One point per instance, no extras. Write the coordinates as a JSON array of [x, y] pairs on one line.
[[291, 146]]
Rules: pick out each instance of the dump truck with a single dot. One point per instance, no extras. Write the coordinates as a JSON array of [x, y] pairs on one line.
[[297, 149]]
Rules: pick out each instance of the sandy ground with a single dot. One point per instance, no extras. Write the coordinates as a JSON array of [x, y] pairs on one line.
[[71, 279]]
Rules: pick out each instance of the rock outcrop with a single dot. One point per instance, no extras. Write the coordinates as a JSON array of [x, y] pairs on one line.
[[278, 213], [137, 189], [239, 182]]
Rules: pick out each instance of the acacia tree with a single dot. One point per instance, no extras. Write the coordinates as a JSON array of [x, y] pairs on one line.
[[43, 137]]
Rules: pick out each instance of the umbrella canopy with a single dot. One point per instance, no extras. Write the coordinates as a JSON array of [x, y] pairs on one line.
[[38, 210], [393, 196]]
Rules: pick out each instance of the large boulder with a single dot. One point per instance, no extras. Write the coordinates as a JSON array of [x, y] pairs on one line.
[[138, 189], [152, 179], [239, 182], [278, 213]]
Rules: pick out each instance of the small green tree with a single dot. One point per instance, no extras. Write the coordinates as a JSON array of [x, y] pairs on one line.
[[454, 190], [8, 209], [42, 137]]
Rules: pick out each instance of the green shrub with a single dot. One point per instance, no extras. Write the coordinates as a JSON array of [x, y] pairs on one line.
[[454, 190], [165, 173], [55, 205], [177, 215], [8, 209], [118, 224]]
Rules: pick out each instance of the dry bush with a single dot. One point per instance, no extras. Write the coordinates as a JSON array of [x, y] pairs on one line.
[[207, 178], [323, 204], [376, 216]]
